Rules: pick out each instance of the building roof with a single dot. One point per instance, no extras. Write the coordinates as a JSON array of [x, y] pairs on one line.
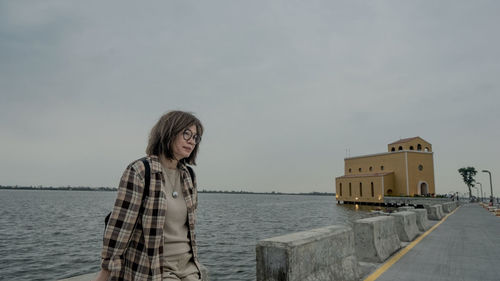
[[366, 175], [387, 153], [407, 140]]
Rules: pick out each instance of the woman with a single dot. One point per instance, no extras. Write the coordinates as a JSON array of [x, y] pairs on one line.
[[159, 243]]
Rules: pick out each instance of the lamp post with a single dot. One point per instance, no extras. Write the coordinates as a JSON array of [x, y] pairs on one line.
[[491, 186], [481, 185]]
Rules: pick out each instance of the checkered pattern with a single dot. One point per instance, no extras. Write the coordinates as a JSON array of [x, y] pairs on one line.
[[136, 253]]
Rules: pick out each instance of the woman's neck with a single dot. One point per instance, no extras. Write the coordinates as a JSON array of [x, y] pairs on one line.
[[168, 163]]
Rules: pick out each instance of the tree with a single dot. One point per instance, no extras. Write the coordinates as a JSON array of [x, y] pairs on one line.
[[468, 174]]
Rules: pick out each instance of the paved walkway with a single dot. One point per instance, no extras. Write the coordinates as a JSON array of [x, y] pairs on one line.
[[466, 246]]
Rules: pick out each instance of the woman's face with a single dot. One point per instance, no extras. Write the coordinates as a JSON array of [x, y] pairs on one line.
[[183, 146]]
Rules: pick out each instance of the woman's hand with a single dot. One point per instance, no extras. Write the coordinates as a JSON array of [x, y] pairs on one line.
[[103, 275]]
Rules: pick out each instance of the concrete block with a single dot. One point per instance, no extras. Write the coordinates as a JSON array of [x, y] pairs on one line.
[[434, 212], [406, 225], [491, 209], [376, 238], [448, 207], [319, 254], [422, 222], [440, 210]]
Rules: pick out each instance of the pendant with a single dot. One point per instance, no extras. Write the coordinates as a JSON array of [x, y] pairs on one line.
[[175, 194]]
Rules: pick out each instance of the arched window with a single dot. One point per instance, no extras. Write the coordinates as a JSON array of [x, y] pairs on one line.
[[389, 191], [393, 149], [350, 170], [419, 147], [400, 148], [350, 190], [371, 168], [340, 189], [359, 169], [381, 168], [373, 191], [426, 149], [360, 190], [420, 167], [411, 147]]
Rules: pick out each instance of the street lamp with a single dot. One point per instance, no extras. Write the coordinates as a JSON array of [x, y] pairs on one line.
[[491, 186], [481, 185]]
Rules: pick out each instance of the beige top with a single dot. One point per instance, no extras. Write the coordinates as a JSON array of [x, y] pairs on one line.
[[175, 231]]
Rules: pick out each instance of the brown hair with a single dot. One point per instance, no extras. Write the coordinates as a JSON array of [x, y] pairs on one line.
[[163, 134]]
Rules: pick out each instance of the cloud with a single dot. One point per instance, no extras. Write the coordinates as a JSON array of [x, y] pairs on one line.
[[283, 87]]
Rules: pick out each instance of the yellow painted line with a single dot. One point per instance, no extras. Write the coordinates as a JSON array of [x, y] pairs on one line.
[[405, 250]]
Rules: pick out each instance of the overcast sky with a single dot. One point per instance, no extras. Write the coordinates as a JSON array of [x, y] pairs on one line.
[[283, 88]]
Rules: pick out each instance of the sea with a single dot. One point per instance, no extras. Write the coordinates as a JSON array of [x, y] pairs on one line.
[[51, 235]]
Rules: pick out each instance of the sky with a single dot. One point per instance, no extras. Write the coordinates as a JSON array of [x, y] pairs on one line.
[[285, 89]]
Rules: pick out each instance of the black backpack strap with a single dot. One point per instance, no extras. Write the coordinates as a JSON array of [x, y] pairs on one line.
[[191, 173]]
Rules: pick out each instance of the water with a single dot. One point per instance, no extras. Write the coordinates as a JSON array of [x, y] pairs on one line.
[[50, 235]]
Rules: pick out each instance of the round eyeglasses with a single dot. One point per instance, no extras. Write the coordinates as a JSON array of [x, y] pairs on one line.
[[187, 135]]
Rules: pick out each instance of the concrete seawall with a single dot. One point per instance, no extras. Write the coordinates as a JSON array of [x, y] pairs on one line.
[[319, 254], [336, 252], [414, 201], [339, 252]]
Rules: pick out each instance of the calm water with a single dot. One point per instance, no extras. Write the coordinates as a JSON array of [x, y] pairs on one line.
[[50, 235]]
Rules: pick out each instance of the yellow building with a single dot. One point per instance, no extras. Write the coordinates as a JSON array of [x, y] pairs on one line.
[[407, 169]]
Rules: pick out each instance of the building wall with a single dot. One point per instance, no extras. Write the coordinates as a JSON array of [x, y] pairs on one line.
[[417, 176], [405, 179], [411, 145], [391, 162], [366, 193]]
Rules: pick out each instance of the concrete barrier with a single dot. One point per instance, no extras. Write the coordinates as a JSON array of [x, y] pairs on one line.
[[376, 238], [92, 276], [448, 207], [406, 225], [319, 254], [422, 221], [497, 212], [421, 217], [434, 212]]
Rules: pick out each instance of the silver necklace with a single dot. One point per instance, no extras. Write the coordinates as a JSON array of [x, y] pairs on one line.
[[175, 194]]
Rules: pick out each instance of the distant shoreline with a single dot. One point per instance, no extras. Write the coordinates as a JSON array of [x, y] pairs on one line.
[[80, 188], [268, 193], [66, 188]]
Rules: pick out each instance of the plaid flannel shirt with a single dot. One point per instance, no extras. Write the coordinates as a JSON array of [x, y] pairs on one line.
[[137, 253]]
